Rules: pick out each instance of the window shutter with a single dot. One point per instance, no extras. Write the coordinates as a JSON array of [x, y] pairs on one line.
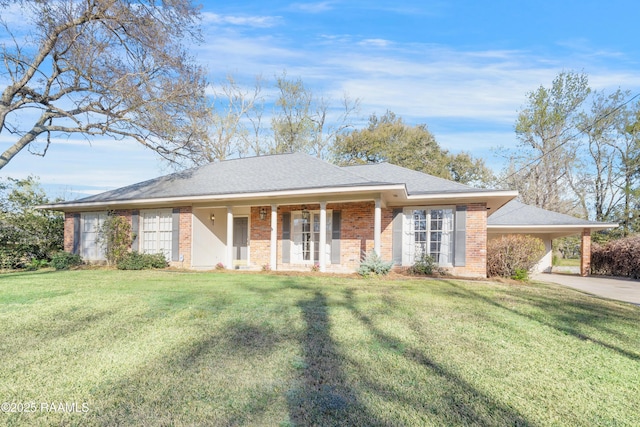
[[396, 244], [76, 233], [286, 238], [135, 230], [335, 237], [175, 238], [460, 244]]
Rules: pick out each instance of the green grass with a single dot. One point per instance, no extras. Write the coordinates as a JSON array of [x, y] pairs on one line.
[[567, 262], [171, 348]]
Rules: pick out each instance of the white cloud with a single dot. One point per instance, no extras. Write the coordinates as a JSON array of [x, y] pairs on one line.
[[380, 43], [317, 7], [242, 21]]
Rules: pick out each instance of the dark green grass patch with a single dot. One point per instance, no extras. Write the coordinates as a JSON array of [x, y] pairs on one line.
[[172, 348]]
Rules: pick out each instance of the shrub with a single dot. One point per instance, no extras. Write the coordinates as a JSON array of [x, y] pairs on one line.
[[374, 264], [219, 266], [513, 255], [425, 266], [27, 233], [617, 258], [65, 260], [115, 237], [266, 267], [37, 264], [140, 261]]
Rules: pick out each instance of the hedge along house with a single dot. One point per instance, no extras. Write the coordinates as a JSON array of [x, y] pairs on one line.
[[294, 212]]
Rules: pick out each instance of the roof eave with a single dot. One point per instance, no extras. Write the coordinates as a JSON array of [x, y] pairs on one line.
[[327, 191], [559, 230]]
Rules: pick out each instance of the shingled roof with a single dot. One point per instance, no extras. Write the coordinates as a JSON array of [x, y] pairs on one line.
[[274, 173], [416, 182], [517, 213], [248, 175]]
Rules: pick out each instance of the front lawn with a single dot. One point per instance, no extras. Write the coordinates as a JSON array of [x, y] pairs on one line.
[[173, 348]]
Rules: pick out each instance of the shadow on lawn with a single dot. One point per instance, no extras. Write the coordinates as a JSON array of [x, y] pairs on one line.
[[462, 403], [566, 318], [324, 397]]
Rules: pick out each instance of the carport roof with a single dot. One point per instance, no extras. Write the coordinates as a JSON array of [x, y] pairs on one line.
[[517, 217]]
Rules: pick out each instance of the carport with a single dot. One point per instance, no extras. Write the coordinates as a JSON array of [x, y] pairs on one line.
[[517, 218]]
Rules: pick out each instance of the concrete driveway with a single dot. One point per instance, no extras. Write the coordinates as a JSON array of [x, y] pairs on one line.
[[608, 287]]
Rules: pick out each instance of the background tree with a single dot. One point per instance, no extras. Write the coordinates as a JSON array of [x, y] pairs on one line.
[[27, 233], [542, 168], [103, 67], [389, 139], [292, 126], [246, 122], [628, 148], [601, 126]]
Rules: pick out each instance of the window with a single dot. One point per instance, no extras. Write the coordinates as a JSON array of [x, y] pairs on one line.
[[428, 231], [91, 248], [156, 230], [306, 238]]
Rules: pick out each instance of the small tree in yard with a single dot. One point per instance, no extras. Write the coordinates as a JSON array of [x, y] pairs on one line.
[[116, 238], [27, 234], [513, 256]]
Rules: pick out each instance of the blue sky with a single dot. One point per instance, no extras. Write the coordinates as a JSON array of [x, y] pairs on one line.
[[461, 67]]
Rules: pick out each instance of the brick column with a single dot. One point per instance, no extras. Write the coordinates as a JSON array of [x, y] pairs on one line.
[[585, 251]]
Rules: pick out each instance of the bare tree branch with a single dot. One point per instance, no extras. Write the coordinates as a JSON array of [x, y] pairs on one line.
[[106, 67]]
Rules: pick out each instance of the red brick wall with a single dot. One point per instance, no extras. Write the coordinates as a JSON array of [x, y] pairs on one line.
[[585, 251], [184, 246], [356, 234], [476, 242], [260, 236], [185, 232], [68, 231]]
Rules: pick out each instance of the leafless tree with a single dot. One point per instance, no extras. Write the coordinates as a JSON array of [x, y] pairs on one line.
[[103, 67]]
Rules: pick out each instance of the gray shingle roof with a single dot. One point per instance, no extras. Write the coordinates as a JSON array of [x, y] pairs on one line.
[[416, 182], [517, 213], [282, 172], [249, 175]]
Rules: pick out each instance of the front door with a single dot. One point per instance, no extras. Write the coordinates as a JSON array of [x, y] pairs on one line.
[[240, 240]]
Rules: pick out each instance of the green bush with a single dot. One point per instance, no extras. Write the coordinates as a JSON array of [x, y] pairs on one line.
[[140, 261], [425, 266], [115, 237], [374, 264], [27, 233], [617, 258], [37, 264], [65, 260], [513, 256]]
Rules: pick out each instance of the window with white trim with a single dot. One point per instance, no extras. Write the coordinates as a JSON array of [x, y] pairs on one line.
[[90, 246], [306, 237], [428, 231], [156, 231]]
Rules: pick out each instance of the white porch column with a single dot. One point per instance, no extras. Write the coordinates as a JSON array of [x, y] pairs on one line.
[[273, 259], [230, 237], [377, 226], [322, 251]]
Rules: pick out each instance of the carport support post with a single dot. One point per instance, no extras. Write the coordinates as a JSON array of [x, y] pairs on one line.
[[585, 252]]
